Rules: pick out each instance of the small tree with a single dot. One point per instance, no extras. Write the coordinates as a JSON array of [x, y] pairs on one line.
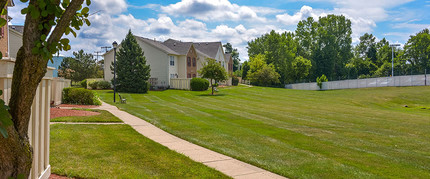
[[320, 80], [214, 72], [131, 69]]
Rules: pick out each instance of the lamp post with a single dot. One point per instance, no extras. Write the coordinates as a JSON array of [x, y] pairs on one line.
[[114, 45], [392, 58]]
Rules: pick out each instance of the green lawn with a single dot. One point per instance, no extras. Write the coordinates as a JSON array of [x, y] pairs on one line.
[[104, 116], [117, 151], [356, 133]]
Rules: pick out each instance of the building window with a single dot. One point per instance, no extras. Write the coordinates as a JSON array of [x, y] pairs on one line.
[[189, 75], [172, 61], [189, 61], [194, 75], [194, 62], [172, 76]]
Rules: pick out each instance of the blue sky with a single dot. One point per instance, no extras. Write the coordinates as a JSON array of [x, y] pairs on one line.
[[238, 21]]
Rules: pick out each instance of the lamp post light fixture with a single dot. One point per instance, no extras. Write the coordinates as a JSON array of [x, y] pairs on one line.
[[114, 45], [392, 58]]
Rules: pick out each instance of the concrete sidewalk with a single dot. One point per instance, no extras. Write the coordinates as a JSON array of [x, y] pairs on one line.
[[220, 162]]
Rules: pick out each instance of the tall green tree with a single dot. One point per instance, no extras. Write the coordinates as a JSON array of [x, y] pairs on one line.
[[245, 69], [131, 69], [45, 23], [417, 50], [80, 67], [301, 67], [234, 55], [279, 50], [327, 43], [214, 72]]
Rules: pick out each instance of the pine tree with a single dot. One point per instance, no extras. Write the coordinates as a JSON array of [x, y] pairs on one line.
[[131, 69]]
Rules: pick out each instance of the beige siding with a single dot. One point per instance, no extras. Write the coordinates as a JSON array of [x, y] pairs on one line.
[[15, 42], [182, 66], [38, 129], [157, 59]]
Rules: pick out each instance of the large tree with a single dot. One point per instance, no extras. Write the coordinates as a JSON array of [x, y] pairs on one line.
[[45, 23], [327, 43], [132, 71], [79, 67], [417, 50], [214, 72], [234, 55]]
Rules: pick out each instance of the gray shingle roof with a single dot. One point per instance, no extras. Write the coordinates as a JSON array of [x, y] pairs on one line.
[[179, 47], [158, 44], [18, 28], [209, 48]]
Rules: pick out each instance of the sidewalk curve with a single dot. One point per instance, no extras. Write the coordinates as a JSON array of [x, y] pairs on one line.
[[225, 164]]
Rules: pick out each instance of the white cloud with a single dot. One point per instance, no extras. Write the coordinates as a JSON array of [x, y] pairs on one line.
[[304, 13], [109, 6], [219, 10]]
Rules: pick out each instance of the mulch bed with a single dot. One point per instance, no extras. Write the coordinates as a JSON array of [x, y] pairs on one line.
[[77, 106], [57, 112]]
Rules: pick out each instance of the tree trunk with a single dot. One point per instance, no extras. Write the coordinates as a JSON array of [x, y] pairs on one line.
[[212, 86], [16, 154]]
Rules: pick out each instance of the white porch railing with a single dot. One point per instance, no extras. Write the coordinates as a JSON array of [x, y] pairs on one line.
[[38, 129]]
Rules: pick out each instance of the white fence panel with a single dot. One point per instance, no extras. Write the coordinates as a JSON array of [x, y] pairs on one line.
[[180, 83], [413, 80], [38, 128]]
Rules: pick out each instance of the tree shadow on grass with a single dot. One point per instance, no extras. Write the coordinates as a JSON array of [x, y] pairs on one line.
[[215, 95]]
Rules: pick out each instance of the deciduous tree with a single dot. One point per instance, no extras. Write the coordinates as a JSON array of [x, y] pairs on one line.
[[45, 23], [214, 72]]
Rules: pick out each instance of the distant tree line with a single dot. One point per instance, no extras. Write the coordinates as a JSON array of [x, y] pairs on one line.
[[81, 66], [324, 47]]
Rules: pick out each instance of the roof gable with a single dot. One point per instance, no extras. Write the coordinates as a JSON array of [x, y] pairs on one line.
[[209, 48], [158, 44]]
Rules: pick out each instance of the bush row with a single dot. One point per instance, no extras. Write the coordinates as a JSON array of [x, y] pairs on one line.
[[99, 85], [80, 96], [199, 84]]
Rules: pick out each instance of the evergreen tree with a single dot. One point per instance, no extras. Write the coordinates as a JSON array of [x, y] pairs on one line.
[[132, 73]]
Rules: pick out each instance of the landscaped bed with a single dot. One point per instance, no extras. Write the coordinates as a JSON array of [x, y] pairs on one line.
[[356, 133]]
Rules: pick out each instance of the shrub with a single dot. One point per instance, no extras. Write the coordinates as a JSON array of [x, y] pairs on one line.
[[320, 80], [84, 83], [199, 84], [234, 80], [104, 85], [80, 96], [93, 84]]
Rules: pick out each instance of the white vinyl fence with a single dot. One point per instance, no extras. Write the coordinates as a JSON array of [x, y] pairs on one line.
[[38, 129], [412, 80], [180, 83], [58, 84]]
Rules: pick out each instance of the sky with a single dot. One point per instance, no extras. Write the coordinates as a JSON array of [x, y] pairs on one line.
[[237, 21]]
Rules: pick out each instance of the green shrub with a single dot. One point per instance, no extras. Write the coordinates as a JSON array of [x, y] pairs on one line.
[[320, 80], [84, 83], [199, 84], [80, 96], [93, 84], [104, 85], [234, 80]]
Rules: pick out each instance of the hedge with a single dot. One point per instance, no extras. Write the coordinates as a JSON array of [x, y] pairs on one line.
[[199, 84], [234, 80], [80, 96], [84, 83]]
